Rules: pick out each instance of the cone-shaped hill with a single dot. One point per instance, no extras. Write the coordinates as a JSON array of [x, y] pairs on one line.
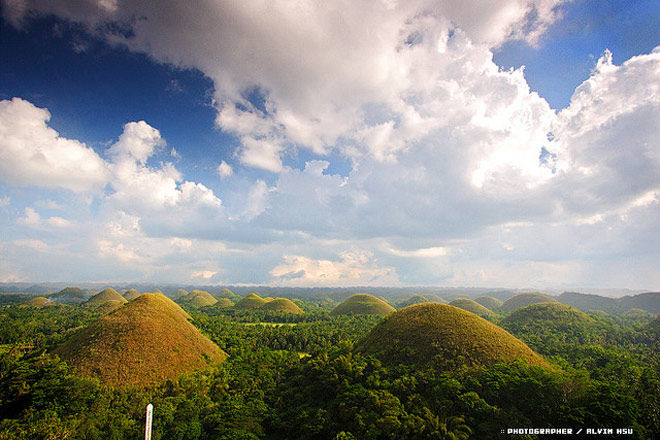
[[525, 299], [178, 293], [104, 297], [415, 299], [251, 301], [489, 302], [198, 298], [471, 306], [363, 304], [70, 295], [145, 342], [552, 319], [131, 294], [224, 302], [444, 337], [281, 305]]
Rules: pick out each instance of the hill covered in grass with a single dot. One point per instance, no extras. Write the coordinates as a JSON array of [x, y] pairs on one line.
[[131, 294], [444, 337], [70, 295], [146, 342], [198, 298], [39, 302], [525, 299], [415, 299], [281, 305], [363, 304], [224, 302], [471, 306], [489, 302], [251, 301], [559, 321], [105, 296]]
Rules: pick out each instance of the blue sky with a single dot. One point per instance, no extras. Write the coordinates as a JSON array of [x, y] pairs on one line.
[[400, 144]]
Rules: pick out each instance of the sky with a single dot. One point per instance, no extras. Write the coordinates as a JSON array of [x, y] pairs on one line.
[[383, 143]]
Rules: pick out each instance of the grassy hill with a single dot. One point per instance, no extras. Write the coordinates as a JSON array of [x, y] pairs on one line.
[[103, 297], [489, 302], [178, 293], [586, 302], [131, 294], [251, 301], [555, 320], [198, 298], [363, 304], [143, 343], [415, 299], [70, 295], [525, 299], [281, 305], [649, 301], [39, 302], [224, 302], [444, 337], [471, 306]]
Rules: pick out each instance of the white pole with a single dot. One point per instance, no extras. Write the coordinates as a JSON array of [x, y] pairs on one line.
[[147, 428]]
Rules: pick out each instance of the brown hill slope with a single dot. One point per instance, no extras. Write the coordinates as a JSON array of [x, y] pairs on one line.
[[444, 337], [363, 304], [103, 297], [145, 342]]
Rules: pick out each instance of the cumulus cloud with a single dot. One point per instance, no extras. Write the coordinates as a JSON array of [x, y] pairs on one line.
[[31, 153], [224, 170]]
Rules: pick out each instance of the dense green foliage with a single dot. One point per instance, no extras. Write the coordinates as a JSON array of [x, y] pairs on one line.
[[299, 376]]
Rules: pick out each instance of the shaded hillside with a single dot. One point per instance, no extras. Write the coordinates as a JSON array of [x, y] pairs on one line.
[[224, 302], [444, 337], [587, 302], [415, 299], [281, 305], [70, 295], [489, 302], [525, 299], [131, 294], [178, 293], [198, 298], [251, 301], [471, 306], [554, 320], [103, 297], [646, 301], [363, 304], [145, 342]]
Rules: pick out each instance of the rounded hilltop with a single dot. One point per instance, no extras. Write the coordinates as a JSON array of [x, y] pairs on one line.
[[281, 305], [198, 298], [107, 299], [489, 302], [363, 304], [131, 294], [525, 299], [251, 301], [146, 342], [39, 302], [415, 299], [471, 306], [443, 337], [552, 319], [70, 295]]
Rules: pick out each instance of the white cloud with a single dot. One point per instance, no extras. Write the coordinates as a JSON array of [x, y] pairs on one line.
[[354, 269], [225, 170], [5, 201], [204, 274], [31, 243], [33, 154]]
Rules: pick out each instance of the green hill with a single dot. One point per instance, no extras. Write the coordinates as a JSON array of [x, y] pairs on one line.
[[649, 301], [525, 299], [198, 298], [131, 294], [471, 306], [103, 297], [489, 302], [363, 304], [143, 343], [251, 301], [178, 293], [281, 305], [70, 295], [654, 327], [587, 302], [39, 302], [444, 337], [555, 320], [224, 302], [415, 299]]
